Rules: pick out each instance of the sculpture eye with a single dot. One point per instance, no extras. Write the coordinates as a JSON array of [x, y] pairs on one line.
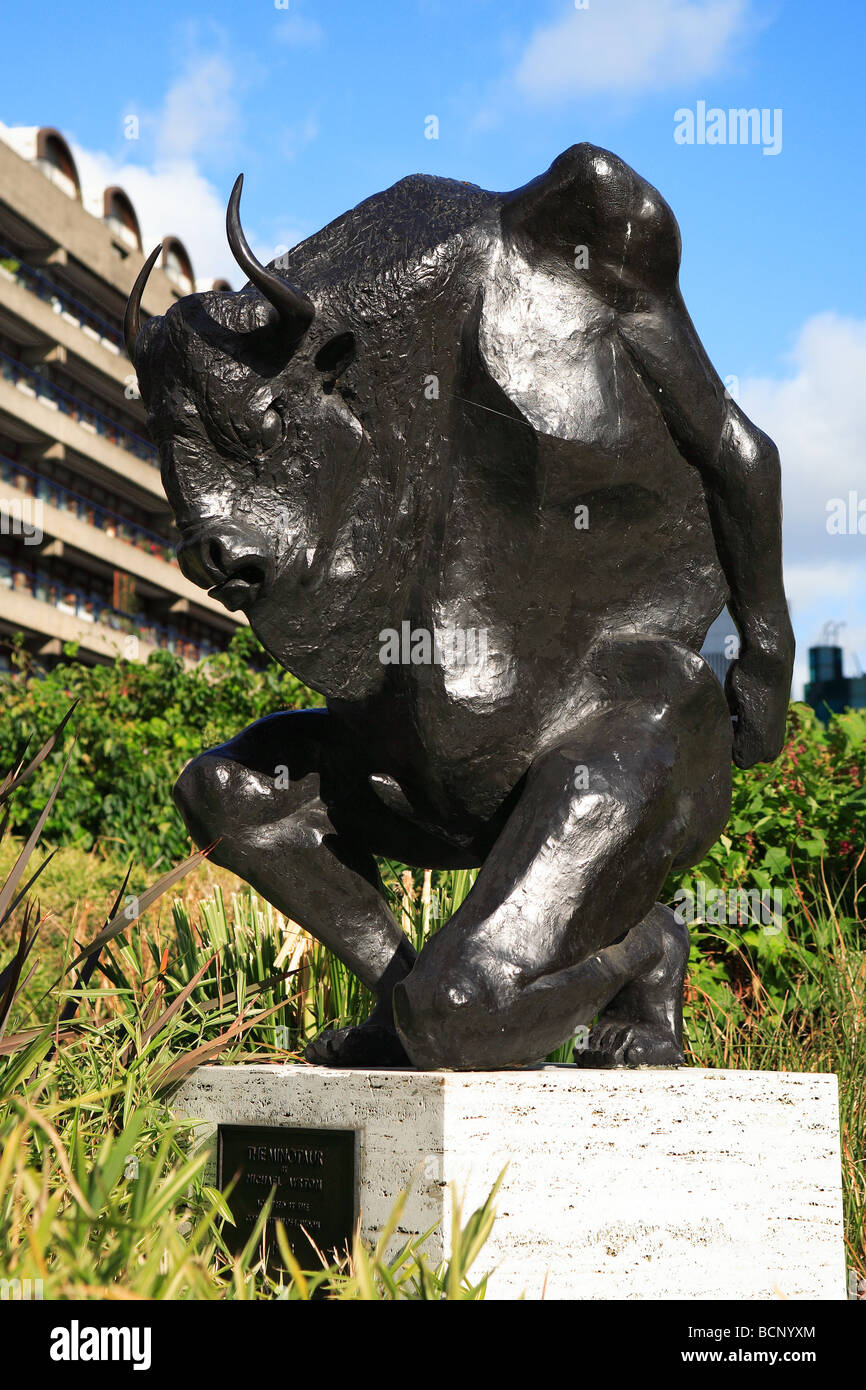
[[270, 429], [336, 355]]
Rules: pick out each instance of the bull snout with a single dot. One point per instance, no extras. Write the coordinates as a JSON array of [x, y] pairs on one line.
[[230, 562]]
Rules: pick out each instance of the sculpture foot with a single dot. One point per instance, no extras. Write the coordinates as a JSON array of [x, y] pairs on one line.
[[643, 1025], [613, 1043], [367, 1045]]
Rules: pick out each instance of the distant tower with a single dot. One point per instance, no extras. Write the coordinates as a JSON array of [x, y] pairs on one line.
[[828, 690]]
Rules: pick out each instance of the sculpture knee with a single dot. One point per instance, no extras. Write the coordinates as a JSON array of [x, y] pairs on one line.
[[218, 795], [203, 795], [221, 798], [448, 1021]]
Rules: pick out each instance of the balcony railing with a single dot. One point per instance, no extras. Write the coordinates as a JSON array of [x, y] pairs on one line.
[[93, 607], [61, 302], [33, 383], [65, 500]]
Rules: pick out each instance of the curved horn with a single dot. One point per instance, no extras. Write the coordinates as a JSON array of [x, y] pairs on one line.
[[132, 315], [293, 307]]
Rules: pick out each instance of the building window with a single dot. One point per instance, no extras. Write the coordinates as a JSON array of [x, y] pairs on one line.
[[54, 158], [177, 265], [119, 215]]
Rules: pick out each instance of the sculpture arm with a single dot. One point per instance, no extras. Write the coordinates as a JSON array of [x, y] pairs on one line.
[[589, 201], [739, 468]]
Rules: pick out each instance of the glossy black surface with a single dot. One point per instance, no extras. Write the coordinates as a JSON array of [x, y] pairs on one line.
[[487, 418]]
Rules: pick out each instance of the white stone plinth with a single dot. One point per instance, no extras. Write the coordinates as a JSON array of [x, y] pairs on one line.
[[653, 1184]]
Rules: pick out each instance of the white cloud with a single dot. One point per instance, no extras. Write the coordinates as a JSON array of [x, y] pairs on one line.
[[172, 197], [817, 583], [200, 109], [817, 416], [295, 29], [487, 118], [199, 119], [630, 46], [200, 114], [294, 138]]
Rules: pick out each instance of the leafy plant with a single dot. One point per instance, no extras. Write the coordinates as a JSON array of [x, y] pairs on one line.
[[790, 816], [94, 1035], [101, 1195], [137, 725]]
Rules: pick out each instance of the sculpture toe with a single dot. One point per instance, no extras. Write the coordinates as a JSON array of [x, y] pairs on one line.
[[370, 1045]]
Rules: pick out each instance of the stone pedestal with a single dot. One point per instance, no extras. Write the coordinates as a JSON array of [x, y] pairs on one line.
[[656, 1184]]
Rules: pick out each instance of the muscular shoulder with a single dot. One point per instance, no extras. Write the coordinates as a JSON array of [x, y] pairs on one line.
[[590, 198]]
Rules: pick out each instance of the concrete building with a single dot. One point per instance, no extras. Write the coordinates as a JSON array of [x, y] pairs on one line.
[[86, 535]]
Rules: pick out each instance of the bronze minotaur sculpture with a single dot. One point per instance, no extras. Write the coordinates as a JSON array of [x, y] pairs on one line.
[[463, 462]]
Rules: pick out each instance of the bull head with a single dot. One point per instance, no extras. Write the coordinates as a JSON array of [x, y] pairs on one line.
[[264, 460]]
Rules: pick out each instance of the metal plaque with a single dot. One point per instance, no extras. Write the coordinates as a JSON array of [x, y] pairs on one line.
[[315, 1177]]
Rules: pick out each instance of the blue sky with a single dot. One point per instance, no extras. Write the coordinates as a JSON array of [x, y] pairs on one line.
[[323, 104]]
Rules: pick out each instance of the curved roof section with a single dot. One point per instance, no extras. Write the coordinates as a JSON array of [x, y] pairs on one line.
[[53, 151], [117, 210], [45, 147], [176, 264]]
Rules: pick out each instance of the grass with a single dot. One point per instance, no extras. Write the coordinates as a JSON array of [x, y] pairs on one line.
[[813, 1020], [101, 1195], [103, 1200]]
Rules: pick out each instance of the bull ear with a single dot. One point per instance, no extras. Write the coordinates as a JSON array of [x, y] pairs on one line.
[[336, 355]]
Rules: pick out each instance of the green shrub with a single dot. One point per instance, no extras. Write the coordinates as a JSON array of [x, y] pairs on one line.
[[785, 994], [792, 850], [101, 1193], [807, 807], [136, 725]]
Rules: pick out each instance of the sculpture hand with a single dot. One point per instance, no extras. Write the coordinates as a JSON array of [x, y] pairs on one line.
[[758, 688]]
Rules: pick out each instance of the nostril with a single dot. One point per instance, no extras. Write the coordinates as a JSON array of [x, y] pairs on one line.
[[250, 572], [227, 561], [215, 555], [238, 565]]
